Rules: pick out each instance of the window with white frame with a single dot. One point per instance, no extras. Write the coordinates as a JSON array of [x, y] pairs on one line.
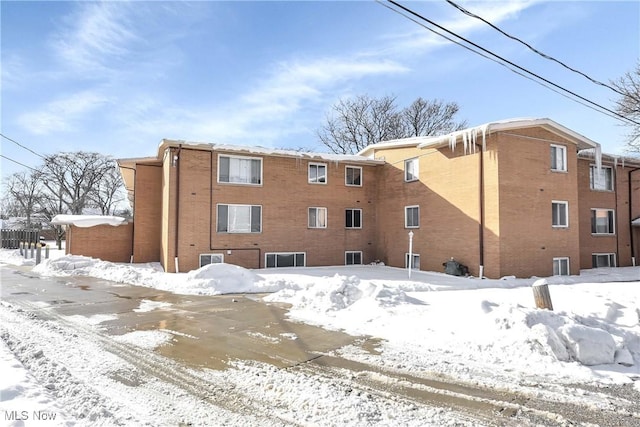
[[558, 158], [317, 173], [412, 216], [602, 221], [239, 170], [285, 259], [239, 219], [415, 258], [353, 176], [603, 260], [559, 214], [317, 217], [411, 170], [353, 257], [561, 266], [206, 259], [601, 179], [353, 218]]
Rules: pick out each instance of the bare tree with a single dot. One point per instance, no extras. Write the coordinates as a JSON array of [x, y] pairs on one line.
[[353, 124], [424, 118], [109, 192], [73, 178], [23, 193], [628, 104]]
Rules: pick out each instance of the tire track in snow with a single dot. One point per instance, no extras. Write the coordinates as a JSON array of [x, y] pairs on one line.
[[183, 383]]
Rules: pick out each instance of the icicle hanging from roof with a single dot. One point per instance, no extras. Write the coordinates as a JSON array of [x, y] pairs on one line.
[[598, 153], [469, 139]]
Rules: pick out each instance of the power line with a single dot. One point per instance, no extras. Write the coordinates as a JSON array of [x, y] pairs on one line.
[[17, 162], [542, 54], [496, 61], [598, 108], [22, 146]]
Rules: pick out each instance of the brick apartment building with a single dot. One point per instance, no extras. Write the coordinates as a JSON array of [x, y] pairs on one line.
[[518, 197]]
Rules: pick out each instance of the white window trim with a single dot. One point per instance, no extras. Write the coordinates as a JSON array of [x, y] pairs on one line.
[[345, 176], [326, 173], [564, 258], [406, 260], [353, 209], [564, 158], [566, 204], [417, 169], [231, 156], [592, 182], [613, 222], [304, 254], [352, 252], [326, 217], [238, 232], [210, 255], [608, 254], [405, 216]]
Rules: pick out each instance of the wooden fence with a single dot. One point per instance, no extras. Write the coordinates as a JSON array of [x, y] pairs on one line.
[[11, 238]]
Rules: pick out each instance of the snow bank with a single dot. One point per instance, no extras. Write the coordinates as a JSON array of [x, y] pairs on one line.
[[23, 398], [87, 220]]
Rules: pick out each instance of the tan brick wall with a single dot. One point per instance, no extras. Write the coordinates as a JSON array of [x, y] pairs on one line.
[[147, 206], [285, 197], [167, 244], [528, 242], [105, 242], [448, 195]]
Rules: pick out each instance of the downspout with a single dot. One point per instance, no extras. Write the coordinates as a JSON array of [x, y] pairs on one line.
[[481, 224], [176, 160], [633, 248]]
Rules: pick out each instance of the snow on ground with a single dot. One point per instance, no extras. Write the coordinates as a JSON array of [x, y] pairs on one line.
[[432, 321]]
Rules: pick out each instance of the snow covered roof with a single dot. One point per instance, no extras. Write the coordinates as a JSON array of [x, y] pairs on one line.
[[87, 220], [266, 151], [470, 135], [394, 143]]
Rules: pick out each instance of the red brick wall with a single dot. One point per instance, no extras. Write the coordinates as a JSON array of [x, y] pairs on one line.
[[105, 242], [147, 207], [618, 200], [285, 196]]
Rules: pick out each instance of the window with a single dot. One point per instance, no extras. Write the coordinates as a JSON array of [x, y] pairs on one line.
[[206, 259], [317, 217], [559, 214], [416, 261], [353, 218], [317, 173], [239, 170], [285, 259], [558, 158], [353, 258], [561, 267], [353, 176], [601, 180], [239, 219], [411, 170], [412, 217], [603, 260], [602, 221]]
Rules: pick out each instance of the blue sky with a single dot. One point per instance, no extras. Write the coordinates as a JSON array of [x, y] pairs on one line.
[[117, 77]]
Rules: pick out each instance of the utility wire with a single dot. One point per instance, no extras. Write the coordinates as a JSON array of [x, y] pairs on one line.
[[17, 162], [601, 108], [497, 62], [22, 146], [542, 54]]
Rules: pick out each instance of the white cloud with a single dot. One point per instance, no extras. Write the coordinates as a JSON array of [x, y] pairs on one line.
[[97, 34], [420, 40], [62, 114]]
